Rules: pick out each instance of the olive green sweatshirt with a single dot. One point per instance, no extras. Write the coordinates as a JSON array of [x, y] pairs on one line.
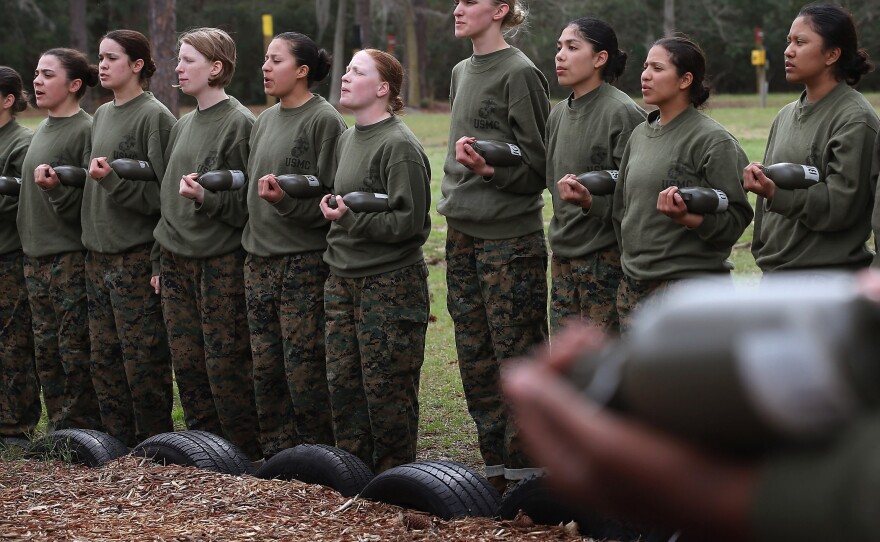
[[501, 96], [383, 158], [298, 140], [14, 141], [49, 220], [586, 134], [826, 225], [216, 138], [119, 214], [691, 150], [822, 493]]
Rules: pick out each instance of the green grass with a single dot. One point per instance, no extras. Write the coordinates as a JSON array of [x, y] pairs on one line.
[[446, 430]]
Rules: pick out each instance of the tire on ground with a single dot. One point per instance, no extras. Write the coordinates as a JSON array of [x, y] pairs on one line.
[[532, 496], [444, 488], [83, 446], [318, 464], [199, 449], [20, 445]]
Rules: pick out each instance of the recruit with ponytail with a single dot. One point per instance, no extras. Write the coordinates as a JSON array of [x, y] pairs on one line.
[[11, 85], [688, 57], [838, 30], [602, 38]]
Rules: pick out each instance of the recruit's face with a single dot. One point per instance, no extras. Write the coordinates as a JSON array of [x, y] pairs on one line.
[[362, 85], [805, 55], [280, 70], [661, 83], [51, 85], [194, 70], [474, 17], [115, 67], [576, 63]]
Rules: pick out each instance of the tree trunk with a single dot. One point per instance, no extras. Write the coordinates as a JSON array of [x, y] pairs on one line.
[[340, 56], [420, 6], [365, 22], [668, 17], [79, 40], [164, 43], [413, 94]]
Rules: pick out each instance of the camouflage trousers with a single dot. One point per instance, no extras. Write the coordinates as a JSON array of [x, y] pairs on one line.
[[376, 329], [204, 308], [635, 295], [497, 297], [19, 392], [285, 308], [131, 366], [586, 289], [59, 309]]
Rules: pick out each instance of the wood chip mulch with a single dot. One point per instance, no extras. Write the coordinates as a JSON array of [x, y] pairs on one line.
[[133, 499]]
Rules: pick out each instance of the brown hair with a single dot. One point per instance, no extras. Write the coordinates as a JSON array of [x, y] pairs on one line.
[[391, 72], [137, 47], [215, 45], [10, 84]]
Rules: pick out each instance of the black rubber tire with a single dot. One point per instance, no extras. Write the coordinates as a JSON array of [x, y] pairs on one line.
[[15, 443], [84, 446], [318, 464], [199, 449], [443, 488], [532, 496]]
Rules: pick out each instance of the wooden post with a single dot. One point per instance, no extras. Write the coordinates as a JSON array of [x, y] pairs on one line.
[[267, 39]]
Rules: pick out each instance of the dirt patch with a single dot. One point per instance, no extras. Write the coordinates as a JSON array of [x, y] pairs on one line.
[[132, 499]]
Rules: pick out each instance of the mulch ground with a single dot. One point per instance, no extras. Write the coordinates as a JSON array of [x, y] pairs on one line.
[[133, 499]]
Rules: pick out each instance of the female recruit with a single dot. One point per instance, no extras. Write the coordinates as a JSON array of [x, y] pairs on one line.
[[496, 254], [201, 259], [831, 127], [677, 147], [376, 297], [131, 366], [19, 392], [285, 238], [587, 132], [51, 237]]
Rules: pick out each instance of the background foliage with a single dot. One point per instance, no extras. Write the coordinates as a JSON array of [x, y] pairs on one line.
[[725, 29]]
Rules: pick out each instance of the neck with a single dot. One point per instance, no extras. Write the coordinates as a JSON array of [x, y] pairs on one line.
[[128, 93], [372, 114], [5, 117], [297, 98], [816, 90], [488, 42], [211, 96], [69, 108], [670, 110], [586, 87]]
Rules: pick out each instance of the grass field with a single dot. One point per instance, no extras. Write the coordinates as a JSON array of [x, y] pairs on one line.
[[446, 430]]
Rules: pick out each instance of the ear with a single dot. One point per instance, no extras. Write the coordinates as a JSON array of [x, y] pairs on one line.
[[216, 68], [137, 65], [832, 56], [302, 72], [383, 89], [501, 12], [601, 59], [74, 86], [686, 80], [8, 101]]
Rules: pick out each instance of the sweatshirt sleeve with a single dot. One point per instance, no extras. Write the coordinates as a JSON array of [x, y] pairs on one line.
[[528, 121], [825, 493], [67, 201], [408, 199], [723, 167], [9, 204], [141, 197], [875, 218], [230, 206], [833, 205]]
